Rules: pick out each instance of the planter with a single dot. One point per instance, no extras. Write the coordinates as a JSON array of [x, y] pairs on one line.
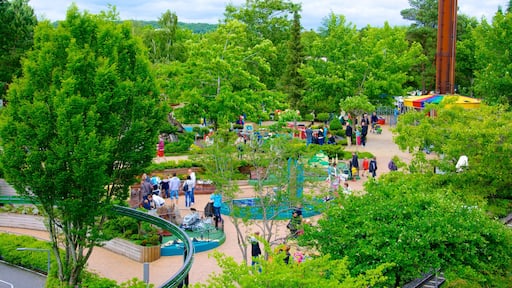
[[149, 253], [135, 252]]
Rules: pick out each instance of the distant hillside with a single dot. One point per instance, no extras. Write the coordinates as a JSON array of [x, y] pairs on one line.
[[199, 28]]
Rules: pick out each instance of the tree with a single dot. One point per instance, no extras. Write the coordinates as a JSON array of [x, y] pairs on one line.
[[267, 21], [278, 183], [220, 80], [81, 124], [481, 134], [293, 82], [16, 33], [315, 272], [424, 31], [493, 41], [356, 105], [418, 224]]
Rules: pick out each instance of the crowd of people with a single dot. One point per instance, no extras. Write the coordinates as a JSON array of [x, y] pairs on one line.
[[154, 190]]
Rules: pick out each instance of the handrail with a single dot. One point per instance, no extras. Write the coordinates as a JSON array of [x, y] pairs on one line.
[[180, 277]]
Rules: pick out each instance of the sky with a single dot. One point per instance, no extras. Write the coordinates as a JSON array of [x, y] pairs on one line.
[[358, 12]]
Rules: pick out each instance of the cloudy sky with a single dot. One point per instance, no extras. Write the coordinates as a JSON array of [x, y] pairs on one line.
[[358, 12]]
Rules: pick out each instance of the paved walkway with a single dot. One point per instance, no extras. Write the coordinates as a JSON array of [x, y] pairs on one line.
[[121, 269]]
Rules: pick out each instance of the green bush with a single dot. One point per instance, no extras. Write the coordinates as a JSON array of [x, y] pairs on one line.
[[336, 128], [181, 146], [308, 117], [322, 117]]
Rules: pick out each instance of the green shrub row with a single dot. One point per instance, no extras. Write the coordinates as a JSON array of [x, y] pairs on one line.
[[38, 261]]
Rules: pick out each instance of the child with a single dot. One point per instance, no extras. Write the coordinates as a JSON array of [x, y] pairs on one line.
[[354, 173], [366, 165], [358, 136]]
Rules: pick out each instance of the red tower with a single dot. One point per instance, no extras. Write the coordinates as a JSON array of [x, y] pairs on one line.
[[446, 38]]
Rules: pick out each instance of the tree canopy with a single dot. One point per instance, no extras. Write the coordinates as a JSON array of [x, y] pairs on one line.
[[81, 123]]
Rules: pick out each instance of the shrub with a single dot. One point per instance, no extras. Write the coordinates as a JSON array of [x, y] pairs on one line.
[[180, 146], [322, 117]]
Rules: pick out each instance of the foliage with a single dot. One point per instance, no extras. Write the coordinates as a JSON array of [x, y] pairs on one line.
[[181, 146], [81, 123], [322, 117], [494, 59], [336, 128], [483, 135], [38, 261], [314, 272], [16, 37], [416, 223], [293, 82], [289, 115], [356, 105], [423, 30]]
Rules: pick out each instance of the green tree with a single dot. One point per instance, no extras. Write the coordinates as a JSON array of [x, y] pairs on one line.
[[493, 41], [333, 69], [356, 105], [17, 22], [416, 223], [465, 64], [166, 43], [219, 81], [449, 134], [316, 272], [293, 82], [267, 21], [423, 13], [81, 124], [389, 59]]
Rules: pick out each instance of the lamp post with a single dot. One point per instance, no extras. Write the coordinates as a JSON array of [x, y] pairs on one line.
[[40, 250]]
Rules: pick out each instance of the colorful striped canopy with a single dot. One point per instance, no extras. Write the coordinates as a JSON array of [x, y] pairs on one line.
[[419, 102]]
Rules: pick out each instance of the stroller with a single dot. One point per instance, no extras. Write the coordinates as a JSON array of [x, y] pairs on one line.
[[191, 221], [377, 129]]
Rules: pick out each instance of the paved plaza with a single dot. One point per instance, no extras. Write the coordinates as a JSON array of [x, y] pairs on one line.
[[120, 268]]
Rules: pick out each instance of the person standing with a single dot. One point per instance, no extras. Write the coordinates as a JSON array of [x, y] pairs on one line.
[[164, 184], [187, 189], [255, 248], [366, 166], [392, 165], [216, 197], [192, 175], [348, 133], [309, 135], [373, 167], [364, 131], [355, 164], [174, 187], [374, 118], [161, 147]]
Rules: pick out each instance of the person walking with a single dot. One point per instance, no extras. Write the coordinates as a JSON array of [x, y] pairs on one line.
[[364, 131], [174, 187], [348, 134], [192, 175], [373, 167], [216, 197], [187, 189], [355, 164], [255, 248]]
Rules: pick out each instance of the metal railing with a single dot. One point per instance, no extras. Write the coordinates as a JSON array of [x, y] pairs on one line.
[[180, 278]]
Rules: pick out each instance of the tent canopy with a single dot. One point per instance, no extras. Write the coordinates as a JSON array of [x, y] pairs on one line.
[[419, 102]]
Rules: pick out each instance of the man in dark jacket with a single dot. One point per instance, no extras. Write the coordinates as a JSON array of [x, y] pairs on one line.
[[255, 248], [373, 167], [348, 133]]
